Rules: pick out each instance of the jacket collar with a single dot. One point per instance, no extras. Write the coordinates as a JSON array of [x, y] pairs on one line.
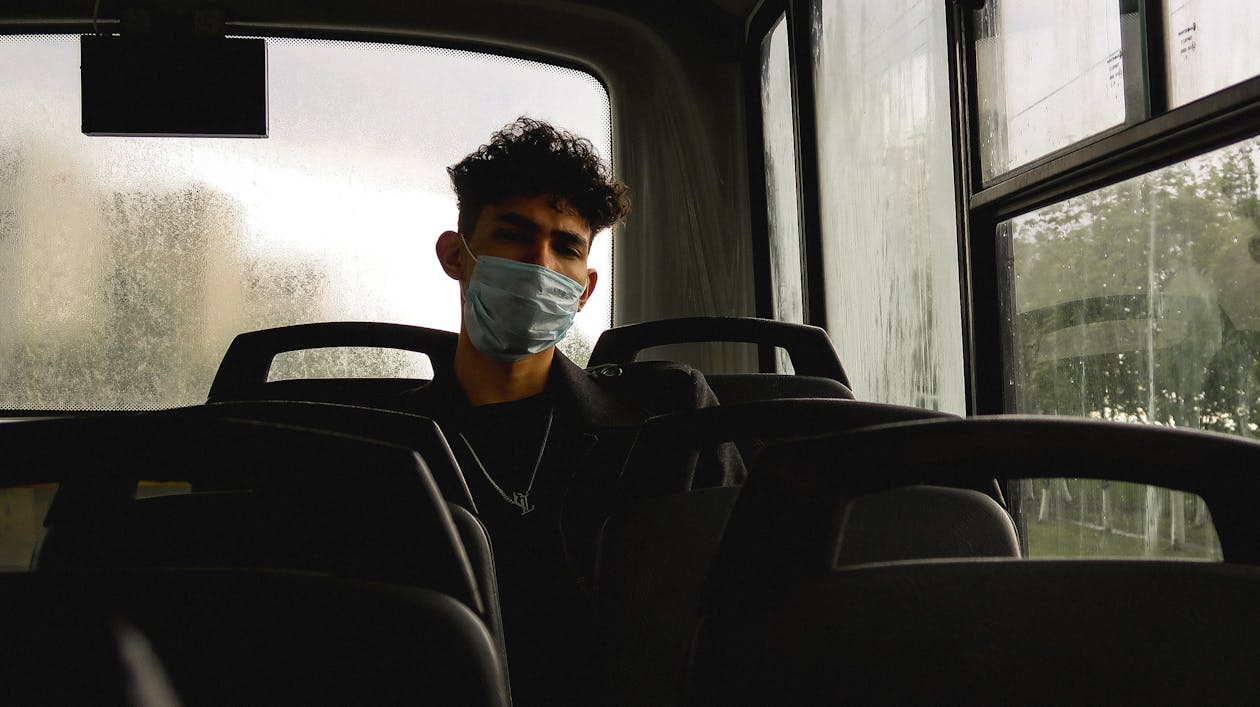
[[579, 392]]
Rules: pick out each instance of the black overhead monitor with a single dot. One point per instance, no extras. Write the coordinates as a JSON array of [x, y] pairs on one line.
[[174, 86]]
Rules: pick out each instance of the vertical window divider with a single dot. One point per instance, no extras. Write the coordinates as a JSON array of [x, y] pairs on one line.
[[800, 17], [758, 31], [979, 272], [1154, 56], [1134, 50]]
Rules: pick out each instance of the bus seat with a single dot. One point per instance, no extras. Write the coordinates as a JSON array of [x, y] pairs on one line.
[[923, 522], [245, 637], [745, 387], [392, 427], [262, 496], [991, 631], [656, 549], [242, 374], [783, 527], [476, 540], [653, 559], [782, 588], [412, 431], [818, 372], [667, 441], [112, 661]]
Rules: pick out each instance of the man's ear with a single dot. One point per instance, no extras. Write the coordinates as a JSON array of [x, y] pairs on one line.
[[591, 278], [450, 253]]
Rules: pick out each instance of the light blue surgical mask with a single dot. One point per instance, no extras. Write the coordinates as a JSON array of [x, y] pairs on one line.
[[514, 309]]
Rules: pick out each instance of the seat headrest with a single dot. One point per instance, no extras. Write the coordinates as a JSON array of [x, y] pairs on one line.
[[922, 523]]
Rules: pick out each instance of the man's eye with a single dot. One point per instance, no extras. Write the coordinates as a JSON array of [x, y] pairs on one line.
[[510, 235]]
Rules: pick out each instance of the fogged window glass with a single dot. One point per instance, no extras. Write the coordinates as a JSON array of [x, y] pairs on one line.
[[1141, 302], [1211, 45], [1049, 74], [22, 511], [888, 209], [1094, 518], [128, 264], [349, 362], [781, 199]]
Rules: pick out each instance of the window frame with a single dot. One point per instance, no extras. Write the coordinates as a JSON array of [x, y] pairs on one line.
[[809, 214], [1161, 138]]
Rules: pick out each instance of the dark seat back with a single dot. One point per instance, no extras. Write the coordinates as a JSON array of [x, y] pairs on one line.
[[783, 527], [242, 374], [240, 637], [263, 496], [818, 371], [992, 632], [668, 443], [391, 427], [788, 617], [655, 551]]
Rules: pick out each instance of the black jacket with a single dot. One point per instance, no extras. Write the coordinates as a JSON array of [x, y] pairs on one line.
[[545, 560], [598, 415]]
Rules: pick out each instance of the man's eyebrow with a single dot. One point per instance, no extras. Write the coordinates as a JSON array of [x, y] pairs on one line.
[[569, 237], [514, 219]]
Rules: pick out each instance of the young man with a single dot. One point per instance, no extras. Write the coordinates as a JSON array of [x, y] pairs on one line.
[[541, 441]]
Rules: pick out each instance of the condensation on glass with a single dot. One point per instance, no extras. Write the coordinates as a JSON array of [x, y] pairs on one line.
[[349, 362], [1211, 44], [1051, 73], [888, 203], [779, 136], [128, 264], [1092, 518]]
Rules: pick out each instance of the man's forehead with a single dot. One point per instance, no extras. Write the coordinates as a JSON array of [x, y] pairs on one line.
[[541, 212]]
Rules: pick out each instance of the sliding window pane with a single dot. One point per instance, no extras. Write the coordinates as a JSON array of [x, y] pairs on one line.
[[1050, 74], [889, 225], [1211, 45], [781, 199], [1140, 302]]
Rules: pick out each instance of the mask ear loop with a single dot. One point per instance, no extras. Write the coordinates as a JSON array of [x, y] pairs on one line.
[[467, 247]]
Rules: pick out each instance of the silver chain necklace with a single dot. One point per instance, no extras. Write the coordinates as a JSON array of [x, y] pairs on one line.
[[520, 499]]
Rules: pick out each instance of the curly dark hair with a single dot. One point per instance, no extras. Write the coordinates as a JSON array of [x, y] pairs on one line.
[[529, 157]]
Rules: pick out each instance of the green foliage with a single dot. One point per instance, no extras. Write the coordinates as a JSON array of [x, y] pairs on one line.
[[1141, 301]]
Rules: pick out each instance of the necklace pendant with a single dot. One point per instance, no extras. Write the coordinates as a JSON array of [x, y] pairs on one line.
[[520, 499]]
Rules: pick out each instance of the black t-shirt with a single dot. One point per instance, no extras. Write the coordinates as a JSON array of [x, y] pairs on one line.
[[547, 619], [507, 441]]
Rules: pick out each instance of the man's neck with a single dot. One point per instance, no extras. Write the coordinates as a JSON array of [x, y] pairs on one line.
[[485, 380]]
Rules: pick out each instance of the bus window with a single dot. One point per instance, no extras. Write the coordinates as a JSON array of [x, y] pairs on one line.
[[781, 176], [1037, 64], [1072, 518], [1210, 44], [1140, 302], [128, 264], [888, 204]]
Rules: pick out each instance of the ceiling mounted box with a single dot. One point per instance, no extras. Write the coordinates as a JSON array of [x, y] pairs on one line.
[[174, 87]]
